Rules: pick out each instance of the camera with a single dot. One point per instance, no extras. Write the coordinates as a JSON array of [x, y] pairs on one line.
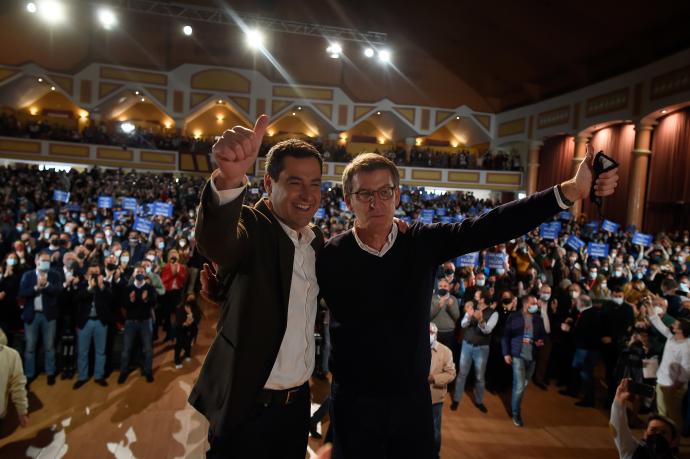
[[644, 390]]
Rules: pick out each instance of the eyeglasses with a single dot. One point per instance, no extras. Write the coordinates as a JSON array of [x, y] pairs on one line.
[[384, 194]]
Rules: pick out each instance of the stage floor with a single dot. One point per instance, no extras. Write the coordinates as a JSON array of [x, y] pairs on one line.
[[154, 421]]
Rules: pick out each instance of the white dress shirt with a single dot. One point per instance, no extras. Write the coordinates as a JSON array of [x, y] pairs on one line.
[[675, 362], [392, 235], [295, 362]]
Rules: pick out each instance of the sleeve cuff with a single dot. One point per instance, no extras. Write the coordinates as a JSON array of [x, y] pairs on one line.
[[226, 196], [559, 198]]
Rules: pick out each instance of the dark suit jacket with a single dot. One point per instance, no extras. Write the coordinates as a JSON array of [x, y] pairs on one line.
[[256, 258], [104, 303], [49, 295]]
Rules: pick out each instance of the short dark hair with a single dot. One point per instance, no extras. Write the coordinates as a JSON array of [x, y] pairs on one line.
[[684, 325], [275, 159], [668, 421], [369, 162], [617, 289], [669, 284]]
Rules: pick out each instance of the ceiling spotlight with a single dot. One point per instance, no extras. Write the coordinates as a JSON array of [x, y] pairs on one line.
[[127, 127], [107, 18], [143, 99], [31, 7], [334, 50], [187, 30], [663, 112], [299, 108], [51, 11], [378, 113], [385, 56], [136, 93], [40, 80], [255, 39], [219, 101], [369, 52], [52, 88], [293, 113], [457, 117]]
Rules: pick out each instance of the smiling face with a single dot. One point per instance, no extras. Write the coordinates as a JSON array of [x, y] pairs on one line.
[[376, 214], [296, 194]]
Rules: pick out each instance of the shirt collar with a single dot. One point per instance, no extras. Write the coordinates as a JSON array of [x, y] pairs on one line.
[[392, 235], [306, 232]]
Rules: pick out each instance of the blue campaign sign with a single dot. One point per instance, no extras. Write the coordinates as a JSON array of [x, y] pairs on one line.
[[41, 214], [428, 213], [495, 260], [129, 204], [610, 226], [343, 206], [105, 202], [441, 211], [565, 215], [74, 207], [426, 220], [162, 208], [407, 219], [145, 226], [320, 213], [445, 219], [119, 215], [458, 218], [548, 232], [60, 196], [575, 242], [630, 228], [593, 225], [598, 250], [405, 198], [468, 260], [642, 239]]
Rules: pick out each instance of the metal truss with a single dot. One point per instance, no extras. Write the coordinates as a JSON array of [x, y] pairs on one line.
[[226, 16]]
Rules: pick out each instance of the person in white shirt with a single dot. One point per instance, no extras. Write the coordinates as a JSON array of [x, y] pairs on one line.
[[674, 370], [12, 382]]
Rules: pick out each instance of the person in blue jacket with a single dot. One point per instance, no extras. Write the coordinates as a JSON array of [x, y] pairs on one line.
[[523, 334]]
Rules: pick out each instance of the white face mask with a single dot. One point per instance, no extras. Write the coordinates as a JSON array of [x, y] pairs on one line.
[[683, 286], [593, 275], [432, 339], [480, 282], [574, 294], [658, 310], [617, 300], [545, 296]]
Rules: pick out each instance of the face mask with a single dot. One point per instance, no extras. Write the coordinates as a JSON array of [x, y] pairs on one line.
[[500, 271], [81, 255], [111, 266], [681, 260], [480, 282], [99, 240], [574, 294], [545, 296], [432, 339], [108, 233], [139, 277], [44, 266], [148, 270], [132, 242], [161, 245], [82, 219], [603, 285], [683, 286], [447, 271], [40, 228], [63, 220], [124, 260], [46, 235], [441, 291], [618, 273], [638, 275], [184, 243], [117, 253], [20, 228], [658, 310], [151, 258], [506, 301], [533, 308], [81, 237], [593, 275], [89, 246], [618, 301]]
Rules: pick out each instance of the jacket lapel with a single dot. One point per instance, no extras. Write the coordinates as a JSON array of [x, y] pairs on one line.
[[286, 254]]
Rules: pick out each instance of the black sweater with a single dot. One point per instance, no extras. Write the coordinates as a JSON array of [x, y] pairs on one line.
[[380, 305]]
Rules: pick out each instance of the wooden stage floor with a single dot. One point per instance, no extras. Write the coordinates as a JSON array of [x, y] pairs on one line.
[[154, 421]]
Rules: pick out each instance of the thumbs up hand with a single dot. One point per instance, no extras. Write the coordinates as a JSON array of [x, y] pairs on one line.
[[235, 151]]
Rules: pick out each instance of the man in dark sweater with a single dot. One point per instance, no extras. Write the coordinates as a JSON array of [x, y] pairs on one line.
[[351, 269], [139, 300]]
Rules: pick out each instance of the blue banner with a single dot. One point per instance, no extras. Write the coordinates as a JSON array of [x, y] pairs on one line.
[[343, 207], [575, 242], [407, 219], [441, 211], [426, 220], [642, 239], [320, 213], [428, 213], [74, 207], [610, 226], [495, 260], [593, 225], [105, 202], [458, 218], [565, 215], [41, 214], [445, 219], [119, 215], [145, 226], [468, 260], [548, 232], [129, 204], [405, 198], [162, 208], [598, 250], [60, 196]]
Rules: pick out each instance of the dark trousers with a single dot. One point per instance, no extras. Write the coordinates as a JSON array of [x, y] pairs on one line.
[[271, 431], [143, 328], [168, 303], [183, 342], [610, 354], [540, 373], [382, 427], [448, 339], [437, 409]]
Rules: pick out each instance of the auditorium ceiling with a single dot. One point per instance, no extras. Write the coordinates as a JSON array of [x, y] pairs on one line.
[[512, 53]]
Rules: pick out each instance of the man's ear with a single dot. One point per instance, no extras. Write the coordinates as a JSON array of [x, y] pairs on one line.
[[268, 184], [348, 202]]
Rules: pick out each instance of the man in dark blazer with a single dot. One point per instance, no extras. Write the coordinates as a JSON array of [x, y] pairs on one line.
[[253, 387], [351, 269], [40, 289]]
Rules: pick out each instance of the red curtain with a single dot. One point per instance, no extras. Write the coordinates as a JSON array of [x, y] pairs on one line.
[[616, 141], [668, 191], [555, 161]]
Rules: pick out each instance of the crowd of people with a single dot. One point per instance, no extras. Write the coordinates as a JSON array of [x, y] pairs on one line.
[[77, 275], [101, 134]]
